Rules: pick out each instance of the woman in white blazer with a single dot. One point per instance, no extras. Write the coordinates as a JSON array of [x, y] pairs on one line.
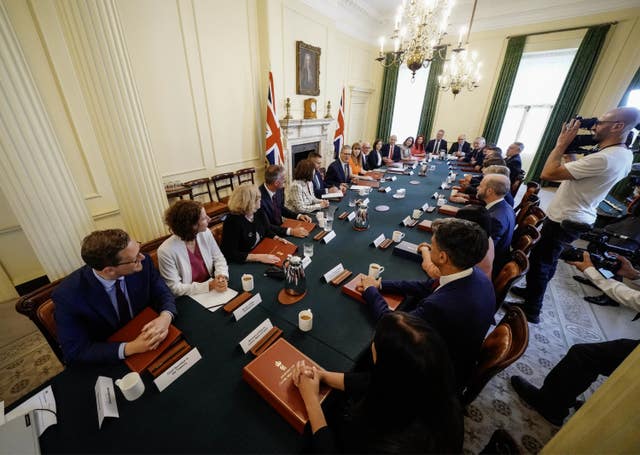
[[300, 197], [191, 256]]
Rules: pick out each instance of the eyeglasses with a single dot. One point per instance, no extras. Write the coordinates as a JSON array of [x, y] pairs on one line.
[[139, 258]]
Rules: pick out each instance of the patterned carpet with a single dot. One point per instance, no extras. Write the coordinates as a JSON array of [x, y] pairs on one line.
[[566, 320], [24, 365]]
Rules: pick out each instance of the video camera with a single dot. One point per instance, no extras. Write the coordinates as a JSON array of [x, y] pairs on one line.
[[599, 247], [585, 143]]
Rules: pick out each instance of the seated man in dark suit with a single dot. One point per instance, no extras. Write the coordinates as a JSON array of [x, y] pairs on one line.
[[116, 284], [461, 304], [476, 154], [514, 161], [460, 148], [272, 203], [319, 187], [339, 172], [492, 190], [437, 144], [391, 152]]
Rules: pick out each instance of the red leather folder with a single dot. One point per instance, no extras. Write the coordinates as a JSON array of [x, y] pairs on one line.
[[289, 223], [140, 362], [269, 374], [425, 225], [352, 289], [275, 247], [448, 210]]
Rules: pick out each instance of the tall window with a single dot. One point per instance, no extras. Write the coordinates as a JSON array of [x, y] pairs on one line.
[[408, 104], [634, 101], [535, 91]]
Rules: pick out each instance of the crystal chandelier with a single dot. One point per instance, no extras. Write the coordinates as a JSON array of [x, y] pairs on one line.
[[419, 28], [463, 69]]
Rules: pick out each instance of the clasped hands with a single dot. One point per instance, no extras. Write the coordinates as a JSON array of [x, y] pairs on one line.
[[219, 283], [307, 379], [152, 334]]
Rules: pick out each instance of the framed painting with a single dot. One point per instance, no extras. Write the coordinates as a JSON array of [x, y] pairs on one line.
[[308, 69]]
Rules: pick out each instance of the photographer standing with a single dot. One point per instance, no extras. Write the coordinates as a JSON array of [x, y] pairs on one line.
[[585, 183]]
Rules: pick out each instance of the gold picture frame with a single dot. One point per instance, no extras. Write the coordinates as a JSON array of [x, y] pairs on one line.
[[307, 69]]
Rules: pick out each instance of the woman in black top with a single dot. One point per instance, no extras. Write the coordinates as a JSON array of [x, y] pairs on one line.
[[246, 226], [407, 402]]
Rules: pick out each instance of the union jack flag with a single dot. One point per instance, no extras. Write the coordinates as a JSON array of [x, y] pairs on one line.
[[273, 145], [338, 137]]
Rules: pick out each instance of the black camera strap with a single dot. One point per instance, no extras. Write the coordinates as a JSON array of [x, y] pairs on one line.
[[612, 145]]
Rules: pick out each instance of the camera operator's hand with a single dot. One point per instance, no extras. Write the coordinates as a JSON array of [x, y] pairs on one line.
[[568, 133], [626, 270], [584, 264]]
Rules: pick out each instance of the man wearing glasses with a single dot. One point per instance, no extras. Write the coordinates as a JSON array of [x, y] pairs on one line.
[[116, 284], [585, 183]]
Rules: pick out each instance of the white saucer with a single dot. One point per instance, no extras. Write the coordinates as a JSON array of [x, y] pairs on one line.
[[398, 196], [415, 182], [382, 208]]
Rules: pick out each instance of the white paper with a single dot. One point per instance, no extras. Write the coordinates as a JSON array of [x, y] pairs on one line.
[[351, 216], [406, 221], [387, 189], [334, 272], [214, 300], [365, 177], [306, 261], [256, 335], [42, 400], [337, 195], [378, 240], [329, 237], [247, 306], [105, 399], [359, 187], [177, 369]]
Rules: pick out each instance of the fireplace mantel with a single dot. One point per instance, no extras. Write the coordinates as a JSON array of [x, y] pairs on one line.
[[299, 131]]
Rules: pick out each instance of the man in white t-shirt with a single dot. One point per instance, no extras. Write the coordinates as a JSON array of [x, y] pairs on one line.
[[585, 183]]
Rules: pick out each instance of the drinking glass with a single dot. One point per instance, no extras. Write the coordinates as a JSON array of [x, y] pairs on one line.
[[308, 249], [328, 224]]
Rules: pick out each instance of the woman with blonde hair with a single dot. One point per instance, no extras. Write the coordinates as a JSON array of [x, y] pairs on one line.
[[191, 257], [245, 226]]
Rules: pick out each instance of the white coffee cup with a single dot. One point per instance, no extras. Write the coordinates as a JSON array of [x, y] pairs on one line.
[[401, 191], [397, 236], [247, 282], [131, 386], [375, 270], [417, 213], [305, 320]]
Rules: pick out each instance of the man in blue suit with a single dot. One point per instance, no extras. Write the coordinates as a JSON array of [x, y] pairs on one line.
[[514, 161], [492, 190], [461, 304], [95, 301], [319, 187], [272, 203], [391, 152], [339, 172]]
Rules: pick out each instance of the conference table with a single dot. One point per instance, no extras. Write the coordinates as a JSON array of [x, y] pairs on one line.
[[210, 408]]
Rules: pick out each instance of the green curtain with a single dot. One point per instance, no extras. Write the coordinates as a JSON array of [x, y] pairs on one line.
[[570, 95], [387, 100], [624, 188], [502, 93], [430, 99]]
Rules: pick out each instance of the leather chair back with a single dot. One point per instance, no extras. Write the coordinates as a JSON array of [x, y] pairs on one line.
[[535, 217], [524, 238], [512, 270], [39, 307], [502, 347], [523, 209], [216, 230]]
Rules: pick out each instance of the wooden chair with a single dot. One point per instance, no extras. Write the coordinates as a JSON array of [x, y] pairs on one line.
[[533, 188], [39, 307], [525, 238], [212, 207], [502, 347], [194, 184], [511, 271], [223, 182], [524, 207], [515, 187], [535, 217], [151, 248], [245, 175], [216, 230]]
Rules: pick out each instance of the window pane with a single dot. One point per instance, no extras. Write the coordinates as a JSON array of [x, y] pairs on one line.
[[531, 134], [634, 99], [408, 104], [510, 126]]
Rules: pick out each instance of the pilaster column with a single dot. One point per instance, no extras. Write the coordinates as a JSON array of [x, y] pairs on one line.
[[96, 42], [34, 176]]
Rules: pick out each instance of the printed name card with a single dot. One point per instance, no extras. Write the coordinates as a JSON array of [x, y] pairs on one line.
[[410, 172], [351, 216], [407, 221], [248, 306], [425, 206], [329, 237], [378, 240], [394, 178], [366, 201], [359, 187], [387, 189], [177, 369], [105, 399], [334, 272], [306, 261], [256, 335]]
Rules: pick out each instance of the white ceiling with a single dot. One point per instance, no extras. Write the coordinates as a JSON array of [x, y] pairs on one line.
[[370, 19]]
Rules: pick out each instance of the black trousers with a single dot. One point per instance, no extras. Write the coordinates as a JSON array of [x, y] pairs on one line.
[[580, 367]]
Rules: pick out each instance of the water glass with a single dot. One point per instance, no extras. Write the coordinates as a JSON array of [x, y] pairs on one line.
[[308, 249], [328, 224]]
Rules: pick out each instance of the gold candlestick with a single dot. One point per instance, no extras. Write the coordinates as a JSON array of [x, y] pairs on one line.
[[328, 110], [288, 107]]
